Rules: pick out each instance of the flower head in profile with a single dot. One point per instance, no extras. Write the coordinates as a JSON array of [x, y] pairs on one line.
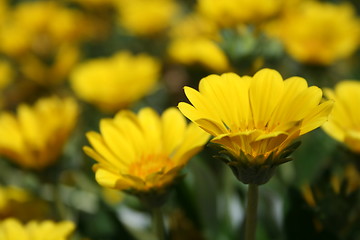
[[35, 136], [199, 50], [229, 13], [344, 121], [115, 82], [146, 17], [13, 229], [319, 32], [143, 153], [255, 119]]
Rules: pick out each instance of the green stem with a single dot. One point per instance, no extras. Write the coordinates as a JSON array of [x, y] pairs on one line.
[[251, 212], [59, 205], [158, 222]]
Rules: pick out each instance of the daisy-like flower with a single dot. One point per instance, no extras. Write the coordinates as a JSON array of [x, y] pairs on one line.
[[255, 119], [115, 82], [143, 154], [34, 138], [344, 121], [12, 229], [319, 33]]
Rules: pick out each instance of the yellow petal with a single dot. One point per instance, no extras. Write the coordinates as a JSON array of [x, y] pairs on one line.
[[334, 130], [102, 149], [110, 180], [317, 117], [266, 89], [200, 104], [348, 92], [173, 129], [194, 139], [117, 143], [151, 126], [292, 88], [189, 111]]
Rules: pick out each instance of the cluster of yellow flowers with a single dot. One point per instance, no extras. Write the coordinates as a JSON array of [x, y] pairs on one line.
[[114, 55]]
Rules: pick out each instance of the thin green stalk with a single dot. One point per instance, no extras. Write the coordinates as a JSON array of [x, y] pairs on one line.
[[158, 223], [251, 212], [59, 205]]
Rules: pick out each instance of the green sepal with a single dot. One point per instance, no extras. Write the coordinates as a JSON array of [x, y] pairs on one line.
[[254, 170]]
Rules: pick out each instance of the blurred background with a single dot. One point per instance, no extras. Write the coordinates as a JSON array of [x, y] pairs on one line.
[[111, 55]]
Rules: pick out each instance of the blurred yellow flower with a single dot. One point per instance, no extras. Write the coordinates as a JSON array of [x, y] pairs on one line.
[[255, 118], [232, 12], [143, 153], [344, 121], [115, 82], [146, 17], [199, 50], [319, 33], [13, 229], [6, 73], [195, 25], [50, 24], [35, 69], [36, 136]]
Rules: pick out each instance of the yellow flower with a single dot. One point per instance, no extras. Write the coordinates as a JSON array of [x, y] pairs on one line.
[[255, 118], [232, 12], [344, 121], [49, 25], [143, 153], [195, 25], [146, 17], [12, 229], [63, 60], [115, 82], [319, 33], [199, 50], [36, 136]]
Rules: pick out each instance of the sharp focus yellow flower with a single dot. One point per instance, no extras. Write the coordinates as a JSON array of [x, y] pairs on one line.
[[143, 153], [36, 136], [344, 121], [199, 50], [116, 82], [12, 229], [255, 118], [233, 12], [146, 17], [319, 33]]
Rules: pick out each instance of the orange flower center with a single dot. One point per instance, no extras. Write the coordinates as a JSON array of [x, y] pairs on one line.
[[150, 164]]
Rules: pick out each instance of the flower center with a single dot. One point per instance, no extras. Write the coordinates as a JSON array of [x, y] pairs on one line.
[[150, 164]]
